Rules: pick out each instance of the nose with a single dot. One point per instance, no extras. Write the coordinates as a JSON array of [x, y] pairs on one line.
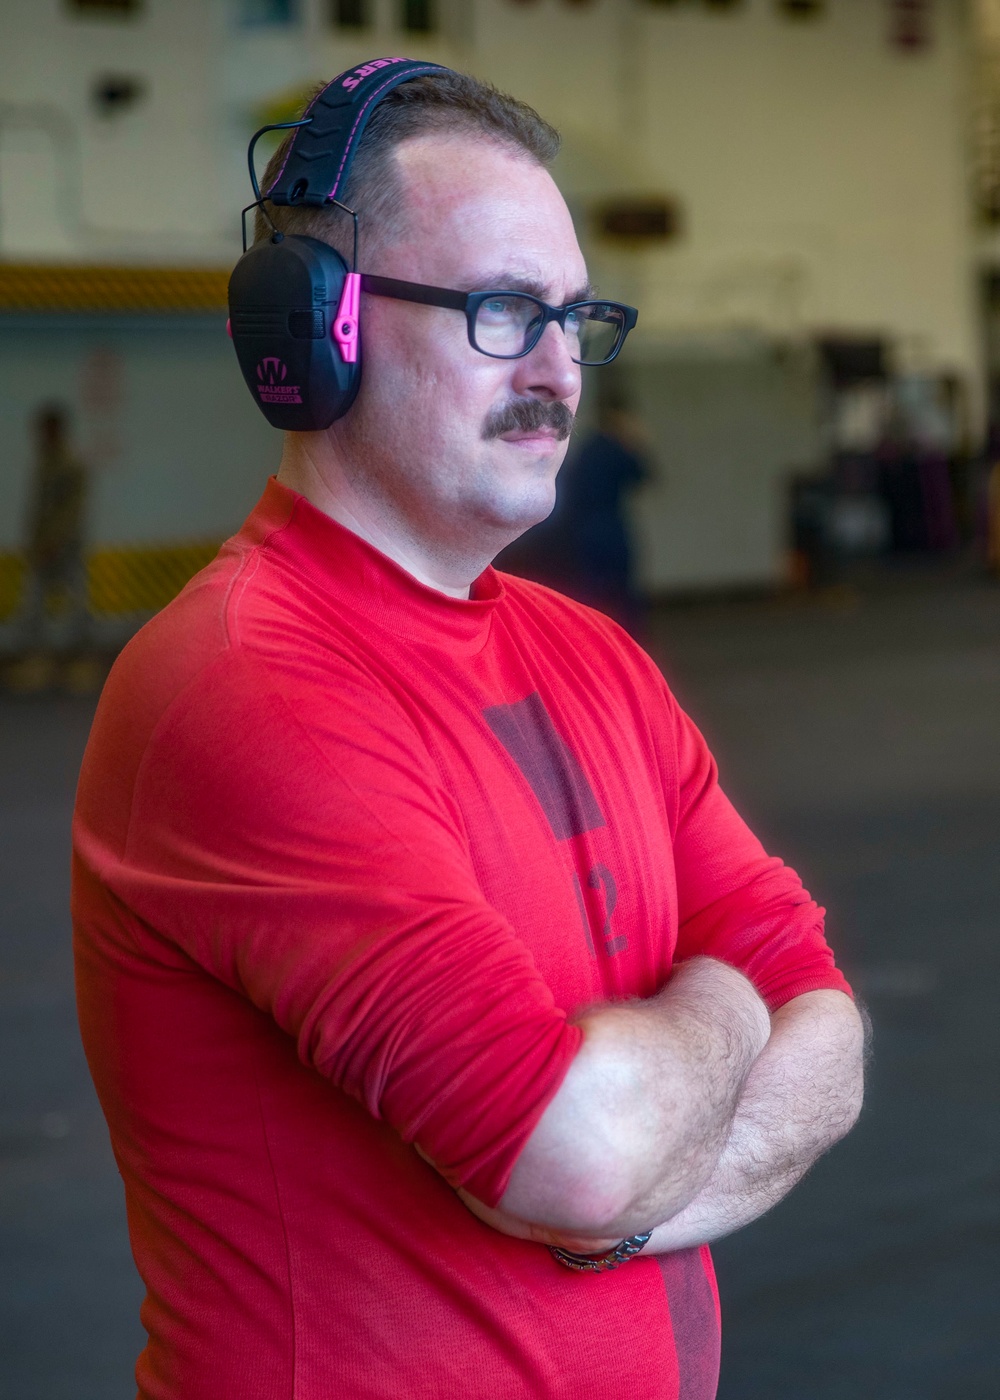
[[547, 372]]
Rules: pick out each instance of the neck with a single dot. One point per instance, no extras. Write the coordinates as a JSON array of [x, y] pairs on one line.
[[312, 466]]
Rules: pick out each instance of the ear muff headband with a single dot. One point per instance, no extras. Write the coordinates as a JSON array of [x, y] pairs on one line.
[[320, 155], [293, 301]]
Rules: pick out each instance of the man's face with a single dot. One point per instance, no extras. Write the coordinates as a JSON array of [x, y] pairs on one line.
[[422, 436]]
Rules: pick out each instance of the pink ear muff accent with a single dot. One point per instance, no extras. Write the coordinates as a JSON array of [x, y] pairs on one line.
[[229, 329], [345, 325]]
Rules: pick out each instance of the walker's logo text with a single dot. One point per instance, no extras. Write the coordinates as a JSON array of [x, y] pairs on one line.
[[271, 376], [354, 79]]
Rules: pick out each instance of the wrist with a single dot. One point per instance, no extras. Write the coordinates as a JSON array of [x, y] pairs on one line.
[[603, 1263]]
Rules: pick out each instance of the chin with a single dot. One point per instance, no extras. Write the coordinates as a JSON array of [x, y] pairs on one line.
[[519, 509]]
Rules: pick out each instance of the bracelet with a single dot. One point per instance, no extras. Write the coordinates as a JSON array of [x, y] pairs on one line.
[[623, 1251]]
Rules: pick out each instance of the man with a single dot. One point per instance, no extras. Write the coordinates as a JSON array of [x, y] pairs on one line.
[[414, 934], [57, 568], [584, 547], [607, 468]]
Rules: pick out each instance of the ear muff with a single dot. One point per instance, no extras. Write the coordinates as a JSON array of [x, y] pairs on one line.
[[284, 300], [293, 301]]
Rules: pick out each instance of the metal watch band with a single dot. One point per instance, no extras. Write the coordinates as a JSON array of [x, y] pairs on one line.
[[623, 1251]]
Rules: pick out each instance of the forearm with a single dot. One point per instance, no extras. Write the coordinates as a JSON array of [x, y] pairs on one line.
[[801, 1096], [647, 1107]]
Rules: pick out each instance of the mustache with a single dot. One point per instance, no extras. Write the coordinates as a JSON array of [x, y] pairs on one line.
[[528, 415]]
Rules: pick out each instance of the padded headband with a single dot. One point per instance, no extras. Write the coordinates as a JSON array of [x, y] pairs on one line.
[[320, 155]]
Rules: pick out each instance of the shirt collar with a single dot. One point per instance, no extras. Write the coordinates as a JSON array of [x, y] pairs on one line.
[[363, 579]]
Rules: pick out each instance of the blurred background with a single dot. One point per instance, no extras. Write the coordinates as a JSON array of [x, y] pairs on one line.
[[787, 486]]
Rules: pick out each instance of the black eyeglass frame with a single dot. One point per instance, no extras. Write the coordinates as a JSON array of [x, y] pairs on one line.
[[470, 302]]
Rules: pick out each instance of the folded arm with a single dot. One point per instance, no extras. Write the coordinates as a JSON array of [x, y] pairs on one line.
[[671, 1118], [636, 1129], [802, 1095]]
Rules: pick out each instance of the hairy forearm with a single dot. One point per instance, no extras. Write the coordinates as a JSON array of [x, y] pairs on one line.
[[801, 1096], [637, 1128]]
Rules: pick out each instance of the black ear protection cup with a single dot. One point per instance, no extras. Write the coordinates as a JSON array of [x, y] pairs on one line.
[[293, 301], [282, 301]]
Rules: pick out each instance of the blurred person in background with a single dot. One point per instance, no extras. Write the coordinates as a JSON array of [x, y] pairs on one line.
[[54, 609], [916, 457], [441, 1006], [992, 495], [592, 497], [584, 548]]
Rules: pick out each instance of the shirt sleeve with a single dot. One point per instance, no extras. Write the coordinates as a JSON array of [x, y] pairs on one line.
[[735, 902], [295, 842]]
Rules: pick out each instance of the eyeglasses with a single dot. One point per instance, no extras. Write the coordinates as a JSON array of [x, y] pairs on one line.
[[507, 325]]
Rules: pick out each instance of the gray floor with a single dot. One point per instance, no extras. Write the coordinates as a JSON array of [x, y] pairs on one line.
[[862, 738], [863, 743]]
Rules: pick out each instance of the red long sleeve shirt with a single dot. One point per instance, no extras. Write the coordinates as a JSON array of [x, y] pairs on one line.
[[348, 855]]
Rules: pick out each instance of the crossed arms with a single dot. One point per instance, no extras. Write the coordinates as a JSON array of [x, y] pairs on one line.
[[694, 1112]]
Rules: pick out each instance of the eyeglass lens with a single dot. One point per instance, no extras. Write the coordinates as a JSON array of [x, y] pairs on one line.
[[510, 325]]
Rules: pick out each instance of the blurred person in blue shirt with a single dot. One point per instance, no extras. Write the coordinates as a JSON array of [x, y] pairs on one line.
[[593, 487]]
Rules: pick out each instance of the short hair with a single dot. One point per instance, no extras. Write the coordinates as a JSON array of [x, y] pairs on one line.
[[449, 104]]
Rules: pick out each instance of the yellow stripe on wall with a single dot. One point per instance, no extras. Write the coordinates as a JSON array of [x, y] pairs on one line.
[[141, 579], [67, 287], [11, 583], [144, 579]]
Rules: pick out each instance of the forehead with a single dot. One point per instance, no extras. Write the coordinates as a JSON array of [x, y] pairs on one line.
[[474, 208]]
